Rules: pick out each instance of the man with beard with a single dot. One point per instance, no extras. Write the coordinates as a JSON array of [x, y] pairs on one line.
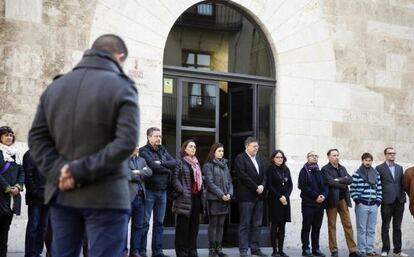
[[366, 191]]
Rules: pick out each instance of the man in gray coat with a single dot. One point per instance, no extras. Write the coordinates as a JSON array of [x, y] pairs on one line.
[[85, 128], [393, 200]]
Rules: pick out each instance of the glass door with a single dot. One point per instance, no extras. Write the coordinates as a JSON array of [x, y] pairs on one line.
[[199, 107]]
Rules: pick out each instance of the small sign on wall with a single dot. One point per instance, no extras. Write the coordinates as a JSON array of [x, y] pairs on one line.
[[168, 85]]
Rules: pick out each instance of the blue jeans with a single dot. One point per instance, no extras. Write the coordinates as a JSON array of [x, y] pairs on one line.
[[38, 216], [106, 230], [366, 220], [156, 202], [137, 241], [251, 215]]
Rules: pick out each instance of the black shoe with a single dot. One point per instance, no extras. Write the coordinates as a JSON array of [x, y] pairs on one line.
[[275, 254], [160, 255], [259, 253], [283, 254], [318, 253], [334, 254], [307, 253], [219, 250], [355, 254]]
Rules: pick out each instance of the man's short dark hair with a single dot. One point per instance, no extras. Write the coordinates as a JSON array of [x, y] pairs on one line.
[[331, 150], [367, 156], [111, 43], [249, 140], [151, 130], [388, 148]]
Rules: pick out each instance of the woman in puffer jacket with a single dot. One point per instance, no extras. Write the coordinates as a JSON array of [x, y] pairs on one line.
[[219, 192], [188, 184]]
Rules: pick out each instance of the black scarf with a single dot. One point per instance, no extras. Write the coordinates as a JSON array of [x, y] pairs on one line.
[[369, 175]]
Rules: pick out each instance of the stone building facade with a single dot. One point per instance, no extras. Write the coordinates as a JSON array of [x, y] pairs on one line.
[[344, 71]]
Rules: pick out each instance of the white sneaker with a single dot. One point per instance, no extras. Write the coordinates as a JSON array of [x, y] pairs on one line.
[[384, 254], [400, 254]]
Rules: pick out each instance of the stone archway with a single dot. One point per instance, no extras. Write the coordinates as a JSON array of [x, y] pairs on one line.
[[296, 30]]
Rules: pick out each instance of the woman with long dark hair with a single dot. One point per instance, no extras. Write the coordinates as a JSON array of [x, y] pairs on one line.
[[188, 184], [11, 184], [279, 184], [219, 192]]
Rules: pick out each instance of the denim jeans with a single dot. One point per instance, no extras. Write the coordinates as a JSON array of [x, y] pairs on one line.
[[38, 216], [366, 220], [106, 230], [137, 241], [251, 215], [156, 202]]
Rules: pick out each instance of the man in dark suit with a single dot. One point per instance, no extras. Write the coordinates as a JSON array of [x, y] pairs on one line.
[[251, 181], [85, 128], [393, 200]]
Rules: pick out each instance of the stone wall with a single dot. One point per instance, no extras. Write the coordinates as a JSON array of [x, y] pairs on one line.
[[374, 52], [344, 71], [39, 40]]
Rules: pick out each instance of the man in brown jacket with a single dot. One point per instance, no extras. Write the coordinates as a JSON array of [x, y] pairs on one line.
[[409, 186]]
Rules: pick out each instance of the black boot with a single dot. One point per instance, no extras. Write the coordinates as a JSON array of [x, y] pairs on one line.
[[219, 250], [212, 249]]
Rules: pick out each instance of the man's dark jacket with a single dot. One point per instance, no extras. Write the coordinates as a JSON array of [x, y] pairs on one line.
[[137, 184], [335, 186], [89, 119], [312, 184], [392, 189], [33, 180], [248, 178], [160, 172]]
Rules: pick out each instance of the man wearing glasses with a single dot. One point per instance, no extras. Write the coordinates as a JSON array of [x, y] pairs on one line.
[[393, 200], [161, 163]]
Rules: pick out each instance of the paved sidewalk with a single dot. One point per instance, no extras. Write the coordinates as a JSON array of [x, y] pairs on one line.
[[233, 252]]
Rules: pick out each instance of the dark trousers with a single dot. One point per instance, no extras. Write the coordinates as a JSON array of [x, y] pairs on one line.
[[137, 241], [251, 215], [277, 236], [215, 227], [186, 230], [395, 212], [5, 222], [311, 223], [38, 216], [106, 230]]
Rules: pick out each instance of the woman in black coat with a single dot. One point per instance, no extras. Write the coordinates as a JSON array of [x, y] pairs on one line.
[[219, 192], [279, 184], [11, 184], [188, 184]]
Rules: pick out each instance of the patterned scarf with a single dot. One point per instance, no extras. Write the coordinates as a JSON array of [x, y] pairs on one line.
[[193, 161], [9, 152]]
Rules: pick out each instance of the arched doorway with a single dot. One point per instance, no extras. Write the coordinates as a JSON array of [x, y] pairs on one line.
[[218, 86]]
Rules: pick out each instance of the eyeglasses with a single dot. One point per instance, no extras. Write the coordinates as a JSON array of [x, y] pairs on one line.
[[313, 155], [391, 153]]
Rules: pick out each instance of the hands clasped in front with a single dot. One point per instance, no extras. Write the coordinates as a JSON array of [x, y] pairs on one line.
[[66, 180]]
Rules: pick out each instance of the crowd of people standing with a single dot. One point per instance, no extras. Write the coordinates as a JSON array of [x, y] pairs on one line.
[[86, 176]]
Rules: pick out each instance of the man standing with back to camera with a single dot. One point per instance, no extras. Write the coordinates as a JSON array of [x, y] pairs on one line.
[[85, 128]]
